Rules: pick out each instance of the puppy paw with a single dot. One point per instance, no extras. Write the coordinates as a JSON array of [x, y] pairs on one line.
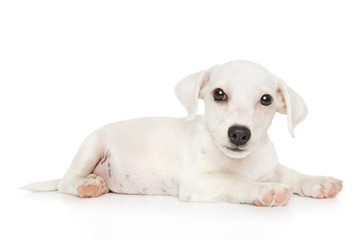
[[320, 187], [93, 186], [273, 194]]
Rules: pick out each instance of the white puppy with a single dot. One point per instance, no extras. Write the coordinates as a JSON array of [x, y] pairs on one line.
[[223, 156]]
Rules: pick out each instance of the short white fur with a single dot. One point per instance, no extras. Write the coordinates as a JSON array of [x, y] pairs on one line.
[[190, 158]]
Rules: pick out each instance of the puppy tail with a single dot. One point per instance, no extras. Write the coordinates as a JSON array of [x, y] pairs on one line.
[[46, 186]]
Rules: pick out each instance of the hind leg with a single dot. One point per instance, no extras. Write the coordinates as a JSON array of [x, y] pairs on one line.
[[79, 180]]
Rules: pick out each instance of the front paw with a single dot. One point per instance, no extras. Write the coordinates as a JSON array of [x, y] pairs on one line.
[[320, 187], [272, 194]]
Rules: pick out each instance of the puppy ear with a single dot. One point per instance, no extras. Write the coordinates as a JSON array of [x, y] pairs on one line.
[[188, 91], [290, 103]]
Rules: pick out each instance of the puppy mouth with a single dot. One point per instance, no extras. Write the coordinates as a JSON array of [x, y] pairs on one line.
[[235, 149]]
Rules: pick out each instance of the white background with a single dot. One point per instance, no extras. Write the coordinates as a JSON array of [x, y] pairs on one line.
[[69, 67]]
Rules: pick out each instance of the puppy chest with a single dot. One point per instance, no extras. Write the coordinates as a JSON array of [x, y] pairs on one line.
[[251, 169]]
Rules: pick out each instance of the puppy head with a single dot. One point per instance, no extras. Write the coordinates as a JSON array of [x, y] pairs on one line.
[[241, 99]]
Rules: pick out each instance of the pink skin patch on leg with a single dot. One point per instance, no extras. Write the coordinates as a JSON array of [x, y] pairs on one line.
[[106, 169], [103, 168]]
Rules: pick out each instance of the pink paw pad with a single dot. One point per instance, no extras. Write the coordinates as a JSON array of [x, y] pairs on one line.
[[274, 199], [332, 192], [93, 186], [321, 187], [280, 198], [258, 203], [269, 198], [321, 195]]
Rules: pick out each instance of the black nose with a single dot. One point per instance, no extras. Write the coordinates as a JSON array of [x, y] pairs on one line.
[[239, 135]]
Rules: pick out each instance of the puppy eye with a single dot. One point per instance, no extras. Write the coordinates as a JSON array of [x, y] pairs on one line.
[[219, 95], [266, 100]]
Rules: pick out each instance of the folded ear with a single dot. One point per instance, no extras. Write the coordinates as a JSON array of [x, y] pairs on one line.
[[188, 91], [290, 103]]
